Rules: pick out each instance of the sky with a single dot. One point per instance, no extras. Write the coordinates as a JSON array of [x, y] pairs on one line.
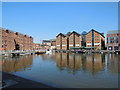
[[45, 20]]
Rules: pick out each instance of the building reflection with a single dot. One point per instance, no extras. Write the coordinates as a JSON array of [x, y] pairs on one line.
[[95, 62], [17, 63], [113, 63], [51, 57], [74, 62]]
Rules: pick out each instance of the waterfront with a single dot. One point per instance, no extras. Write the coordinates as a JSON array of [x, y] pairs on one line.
[[67, 70]]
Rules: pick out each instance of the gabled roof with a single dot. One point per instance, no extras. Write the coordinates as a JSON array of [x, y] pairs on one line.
[[61, 34], [97, 32], [75, 33]]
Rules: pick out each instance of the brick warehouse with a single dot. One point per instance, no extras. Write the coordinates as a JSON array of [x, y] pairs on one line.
[[61, 42], [113, 40], [10, 40], [74, 40], [67, 41], [95, 40]]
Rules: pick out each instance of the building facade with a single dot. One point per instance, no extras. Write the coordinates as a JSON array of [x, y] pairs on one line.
[[83, 35], [49, 44], [36, 46], [113, 40], [67, 41], [46, 42], [61, 42], [15, 41], [95, 40], [74, 40]]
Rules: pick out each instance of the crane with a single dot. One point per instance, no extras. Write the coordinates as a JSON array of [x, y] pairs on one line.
[[17, 46]]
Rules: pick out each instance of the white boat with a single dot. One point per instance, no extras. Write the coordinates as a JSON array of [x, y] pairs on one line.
[[48, 51]]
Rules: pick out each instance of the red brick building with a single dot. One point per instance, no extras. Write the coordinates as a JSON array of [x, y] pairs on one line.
[[36, 46], [74, 40], [67, 41], [113, 40], [95, 40], [61, 42], [10, 40]]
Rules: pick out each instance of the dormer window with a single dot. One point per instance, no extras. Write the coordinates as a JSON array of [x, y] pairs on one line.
[[7, 31], [16, 33]]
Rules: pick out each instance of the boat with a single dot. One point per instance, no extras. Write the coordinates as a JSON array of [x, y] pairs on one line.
[[40, 52], [48, 51]]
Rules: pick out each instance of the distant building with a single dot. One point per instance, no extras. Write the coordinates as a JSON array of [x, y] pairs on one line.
[[95, 40], [10, 40], [74, 40], [46, 42], [49, 44], [36, 46], [53, 42], [113, 40], [83, 35]]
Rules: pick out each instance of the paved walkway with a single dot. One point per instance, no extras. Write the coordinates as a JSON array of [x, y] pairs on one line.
[[18, 82]]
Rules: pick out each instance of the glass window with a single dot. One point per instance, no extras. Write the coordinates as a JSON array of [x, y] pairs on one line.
[[109, 48], [116, 38], [116, 48]]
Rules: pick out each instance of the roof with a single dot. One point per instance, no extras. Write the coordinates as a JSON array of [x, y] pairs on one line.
[[75, 33], [61, 34], [52, 39], [46, 40], [113, 32], [14, 32], [97, 32]]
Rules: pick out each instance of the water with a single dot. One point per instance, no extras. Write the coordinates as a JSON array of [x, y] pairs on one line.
[[67, 70]]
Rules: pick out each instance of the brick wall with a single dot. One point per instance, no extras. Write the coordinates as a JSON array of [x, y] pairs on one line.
[[112, 43], [74, 39], [89, 40], [98, 40], [9, 38], [58, 42]]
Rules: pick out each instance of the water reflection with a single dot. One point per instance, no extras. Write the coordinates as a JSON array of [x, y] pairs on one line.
[[75, 62], [113, 63], [17, 63], [71, 63]]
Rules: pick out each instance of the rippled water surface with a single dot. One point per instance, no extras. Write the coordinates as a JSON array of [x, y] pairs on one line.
[[67, 70]]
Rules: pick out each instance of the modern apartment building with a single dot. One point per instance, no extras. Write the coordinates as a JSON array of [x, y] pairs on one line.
[[61, 42], [95, 40], [113, 40], [74, 40], [14, 40]]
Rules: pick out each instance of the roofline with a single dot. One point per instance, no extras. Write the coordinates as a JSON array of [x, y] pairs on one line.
[[75, 32], [15, 32], [96, 31], [60, 34]]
